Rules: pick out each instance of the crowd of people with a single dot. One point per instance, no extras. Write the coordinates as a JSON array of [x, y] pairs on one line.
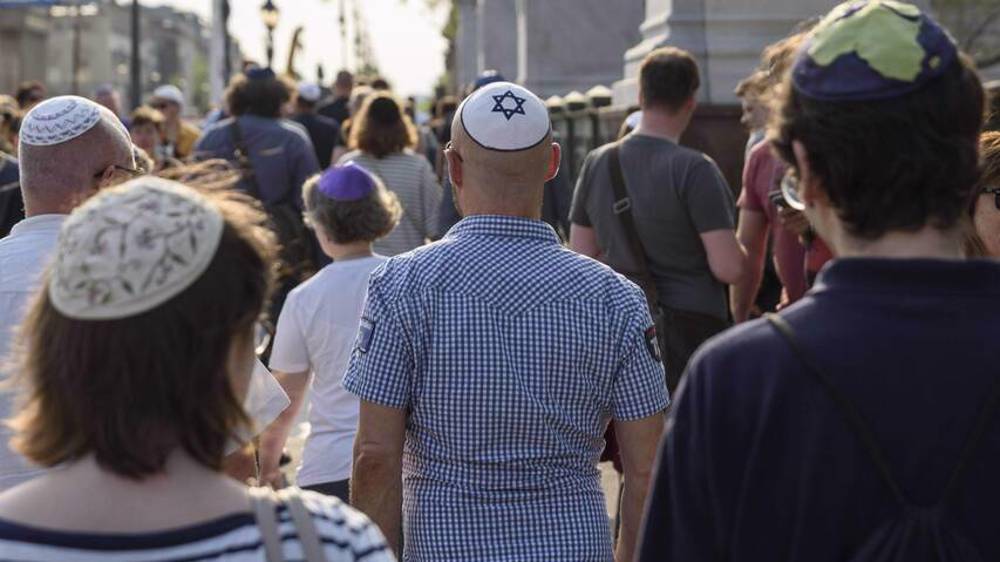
[[468, 335]]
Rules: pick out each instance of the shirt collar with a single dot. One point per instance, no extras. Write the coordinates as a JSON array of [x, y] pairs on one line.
[[909, 276], [505, 226], [38, 223]]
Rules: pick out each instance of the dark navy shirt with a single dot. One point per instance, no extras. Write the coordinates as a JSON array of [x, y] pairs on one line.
[[759, 465], [324, 134], [281, 154]]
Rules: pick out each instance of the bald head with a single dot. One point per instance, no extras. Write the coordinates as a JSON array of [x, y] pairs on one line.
[[57, 177], [504, 182]]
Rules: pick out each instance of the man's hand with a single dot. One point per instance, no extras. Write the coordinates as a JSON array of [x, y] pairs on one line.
[[793, 221], [272, 440]]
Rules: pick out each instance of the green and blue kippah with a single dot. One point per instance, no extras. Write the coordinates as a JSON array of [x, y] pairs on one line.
[[872, 50]]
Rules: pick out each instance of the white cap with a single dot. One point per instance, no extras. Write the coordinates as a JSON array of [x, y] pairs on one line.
[[57, 120], [506, 117], [131, 248], [309, 91], [169, 92]]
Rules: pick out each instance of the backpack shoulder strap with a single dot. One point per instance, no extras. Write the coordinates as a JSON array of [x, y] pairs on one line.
[[312, 547], [242, 155], [623, 209], [847, 409], [264, 505], [972, 442]]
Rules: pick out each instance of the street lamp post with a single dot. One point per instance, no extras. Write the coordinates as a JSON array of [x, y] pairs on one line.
[[269, 13]]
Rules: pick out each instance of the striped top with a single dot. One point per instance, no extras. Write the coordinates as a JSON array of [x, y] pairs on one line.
[[346, 534], [411, 178]]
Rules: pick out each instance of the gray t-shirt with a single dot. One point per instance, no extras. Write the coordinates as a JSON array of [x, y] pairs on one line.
[[677, 194]]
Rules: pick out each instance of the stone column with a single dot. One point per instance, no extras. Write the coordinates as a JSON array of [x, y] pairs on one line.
[[466, 42], [568, 45], [498, 37], [726, 36]]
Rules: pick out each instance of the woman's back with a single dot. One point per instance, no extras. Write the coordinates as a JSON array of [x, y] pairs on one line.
[[345, 534], [411, 178]]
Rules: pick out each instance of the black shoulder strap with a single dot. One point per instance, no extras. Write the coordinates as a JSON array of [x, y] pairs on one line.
[[866, 436], [847, 409], [623, 208], [242, 154]]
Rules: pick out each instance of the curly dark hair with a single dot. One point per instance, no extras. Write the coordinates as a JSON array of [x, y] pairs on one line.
[[896, 164], [258, 96], [367, 219], [381, 128]]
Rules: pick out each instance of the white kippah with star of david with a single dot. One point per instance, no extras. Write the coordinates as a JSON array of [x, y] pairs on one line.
[[506, 117]]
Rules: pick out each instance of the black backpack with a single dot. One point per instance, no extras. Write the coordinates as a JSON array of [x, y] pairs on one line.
[[917, 533]]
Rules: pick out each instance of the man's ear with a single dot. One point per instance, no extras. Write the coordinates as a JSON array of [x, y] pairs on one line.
[[106, 177], [454, 168], [809, 189], [554, 162]]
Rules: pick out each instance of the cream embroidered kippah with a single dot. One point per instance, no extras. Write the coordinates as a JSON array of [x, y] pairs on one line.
[[506, 117], [131, 248], [57, 120]]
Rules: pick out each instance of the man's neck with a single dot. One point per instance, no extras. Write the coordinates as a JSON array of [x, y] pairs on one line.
[[927, 243], [658, 123]]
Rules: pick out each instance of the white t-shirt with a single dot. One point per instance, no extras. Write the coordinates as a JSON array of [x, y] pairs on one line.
[[24, 253], [316, 333]]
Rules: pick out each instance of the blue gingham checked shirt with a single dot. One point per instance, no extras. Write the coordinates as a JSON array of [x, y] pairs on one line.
[[511, 354]]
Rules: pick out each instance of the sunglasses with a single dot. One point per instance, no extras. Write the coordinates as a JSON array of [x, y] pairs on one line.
[[995, 191], [131, 172], [449, 148]]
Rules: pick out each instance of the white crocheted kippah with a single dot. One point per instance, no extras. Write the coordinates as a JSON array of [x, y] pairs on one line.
[[57, 120], [131, 248]]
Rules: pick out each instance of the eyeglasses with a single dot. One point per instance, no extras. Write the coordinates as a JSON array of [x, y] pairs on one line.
[[790, 191], [995, 191], [449, 148], [131, 172], [158, 105]]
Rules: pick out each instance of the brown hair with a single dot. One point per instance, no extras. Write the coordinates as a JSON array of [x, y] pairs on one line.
[[381, 128], [132, 390], [993, 107], [25, 90], [262, 96], [146, 115], [989, 146], [668, 78], [897, 164], [343, 222]]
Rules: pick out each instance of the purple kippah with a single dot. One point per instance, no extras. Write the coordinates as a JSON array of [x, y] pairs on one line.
[[349, 182]]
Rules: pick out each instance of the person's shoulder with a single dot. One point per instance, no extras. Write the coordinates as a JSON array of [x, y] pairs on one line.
[[342, 528], [594, 280], [354, 154], [216, 129], [747, 357], [293, 128]]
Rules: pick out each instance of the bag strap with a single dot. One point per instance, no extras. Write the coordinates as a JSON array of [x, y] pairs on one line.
[[242, 154], [847, 409], [623, 209], [264, 506], [312, 547], [866, 436]]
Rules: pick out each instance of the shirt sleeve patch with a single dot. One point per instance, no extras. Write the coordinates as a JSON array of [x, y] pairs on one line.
[[365, 333], [653, 344]]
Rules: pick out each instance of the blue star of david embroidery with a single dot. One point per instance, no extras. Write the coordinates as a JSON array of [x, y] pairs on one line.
[[509, 112]]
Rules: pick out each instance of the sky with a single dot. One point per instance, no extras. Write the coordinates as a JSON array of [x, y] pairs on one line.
[[405, 36]]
